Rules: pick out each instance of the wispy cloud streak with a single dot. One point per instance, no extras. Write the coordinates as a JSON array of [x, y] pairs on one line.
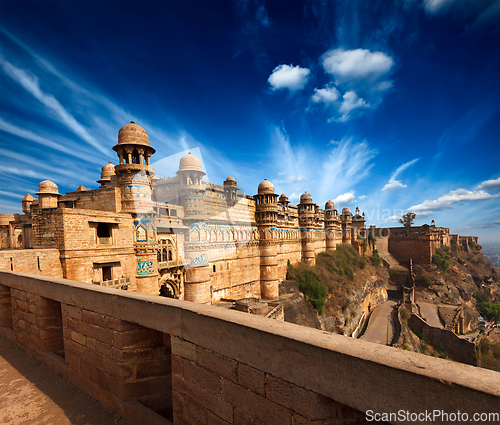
[[31, 84]]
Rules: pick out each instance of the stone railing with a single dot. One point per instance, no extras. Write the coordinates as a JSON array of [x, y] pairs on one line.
[[168, 264], [156, 360], [122, 283]]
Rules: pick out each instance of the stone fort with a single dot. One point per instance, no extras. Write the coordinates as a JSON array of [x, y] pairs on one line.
[[155, 360], [180, 236]]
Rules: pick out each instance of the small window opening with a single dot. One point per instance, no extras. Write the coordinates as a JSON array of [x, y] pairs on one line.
[[104, 233], [135, 157], [38, 262], [169, 255], [103, 230], [213, 268]]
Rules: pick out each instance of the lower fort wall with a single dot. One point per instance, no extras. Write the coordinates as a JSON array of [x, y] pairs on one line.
[[420, 250], [288, 250], [155, 360], [459, 349]]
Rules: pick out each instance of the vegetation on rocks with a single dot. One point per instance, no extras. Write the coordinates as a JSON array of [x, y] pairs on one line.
[[331, 285], [489, 354], [489, 310], [441, 259]]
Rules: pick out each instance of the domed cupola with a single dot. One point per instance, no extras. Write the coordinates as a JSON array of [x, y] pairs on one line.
[[231, 190], [307, 210], [133, 146], [27, 201], [266, 203], [48, 194], [190, 170], [331, 213], [107, 171], [284, 200]]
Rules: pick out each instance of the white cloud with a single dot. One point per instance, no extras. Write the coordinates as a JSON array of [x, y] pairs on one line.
[[328, 94], [392, 219], [362, 197], [345, 198], [403, 167], [490, 184], [424, 214], [289, 77], [359, 68], [360, 77], [393, 185], [350, 102], [449, 200]]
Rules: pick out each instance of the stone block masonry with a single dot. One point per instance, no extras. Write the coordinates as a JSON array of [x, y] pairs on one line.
[[154, 360], [211, 388]]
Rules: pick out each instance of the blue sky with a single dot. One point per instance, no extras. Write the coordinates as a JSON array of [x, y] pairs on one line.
[[391, 106]]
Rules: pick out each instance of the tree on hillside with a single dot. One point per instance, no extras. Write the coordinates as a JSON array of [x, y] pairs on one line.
[[407, 220]]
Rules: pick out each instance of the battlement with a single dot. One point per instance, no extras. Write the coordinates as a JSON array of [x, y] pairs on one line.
[[151, 358]]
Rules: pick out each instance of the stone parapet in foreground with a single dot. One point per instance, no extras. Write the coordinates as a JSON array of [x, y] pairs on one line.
[[157, 360]]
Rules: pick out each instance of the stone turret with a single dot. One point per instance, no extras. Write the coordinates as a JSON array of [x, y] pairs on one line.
[[48, 194], [191, 190], [107, 172], [230, 190], [27, 201], [307, 220], [346, 225], [332, 226], [134, 176], [266, 216]]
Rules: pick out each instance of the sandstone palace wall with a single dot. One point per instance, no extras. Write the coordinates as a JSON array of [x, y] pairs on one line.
[[182, 236]]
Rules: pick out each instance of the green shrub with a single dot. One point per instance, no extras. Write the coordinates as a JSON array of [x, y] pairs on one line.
[[442, 259], [472, 244], [423, 281], [375, 258], [490, 311], [365, 244], [454, 246], [310, 285]]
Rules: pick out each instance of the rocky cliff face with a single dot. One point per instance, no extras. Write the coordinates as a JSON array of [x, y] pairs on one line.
[[469, 273], [355, 286], [352, 296]]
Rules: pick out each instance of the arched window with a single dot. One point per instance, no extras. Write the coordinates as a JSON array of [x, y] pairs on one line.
[[169, 255]]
